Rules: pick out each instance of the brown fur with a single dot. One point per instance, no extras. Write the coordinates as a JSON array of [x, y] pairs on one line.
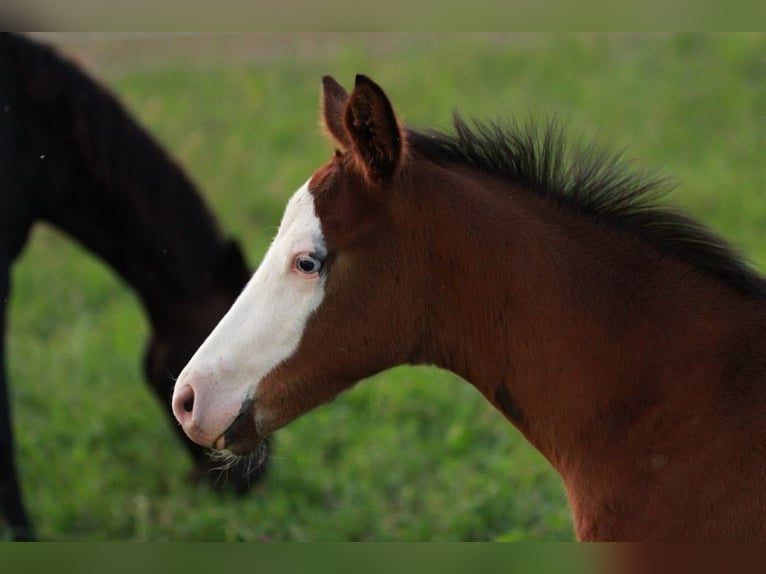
[[636, 373]]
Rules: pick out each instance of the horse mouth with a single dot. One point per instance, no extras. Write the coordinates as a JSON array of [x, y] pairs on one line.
[[242, 437]]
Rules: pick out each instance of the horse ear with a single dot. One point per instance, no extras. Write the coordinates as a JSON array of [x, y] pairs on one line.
[[374, 130], [334, 99]]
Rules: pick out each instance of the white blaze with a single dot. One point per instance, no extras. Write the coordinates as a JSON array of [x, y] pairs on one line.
[[262, 329]]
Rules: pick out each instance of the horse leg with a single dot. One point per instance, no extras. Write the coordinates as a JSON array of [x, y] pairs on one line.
[[12, 511]]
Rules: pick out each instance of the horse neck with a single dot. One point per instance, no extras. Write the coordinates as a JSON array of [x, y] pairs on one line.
[[571, 329], [102, 179], [155, 232]]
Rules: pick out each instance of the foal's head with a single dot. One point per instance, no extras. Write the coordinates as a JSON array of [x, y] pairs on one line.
[[337, 298]]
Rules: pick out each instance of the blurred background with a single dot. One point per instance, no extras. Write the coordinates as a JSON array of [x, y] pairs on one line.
[[414, 453]]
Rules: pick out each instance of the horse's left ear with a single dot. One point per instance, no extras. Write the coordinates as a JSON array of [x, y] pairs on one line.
[[334, 99], [374, 130]]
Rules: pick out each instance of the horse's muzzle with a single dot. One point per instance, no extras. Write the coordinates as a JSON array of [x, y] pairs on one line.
[[242, 437]]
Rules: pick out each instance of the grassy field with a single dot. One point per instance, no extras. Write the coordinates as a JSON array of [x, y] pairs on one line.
[[414, 454]]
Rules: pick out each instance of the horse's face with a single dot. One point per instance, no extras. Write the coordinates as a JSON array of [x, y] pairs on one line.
[[320, 312]]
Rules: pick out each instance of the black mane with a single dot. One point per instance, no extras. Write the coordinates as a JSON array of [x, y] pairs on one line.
[[597, 183]]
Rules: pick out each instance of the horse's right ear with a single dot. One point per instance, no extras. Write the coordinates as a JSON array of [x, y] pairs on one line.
[[372, 126], [334, 99]]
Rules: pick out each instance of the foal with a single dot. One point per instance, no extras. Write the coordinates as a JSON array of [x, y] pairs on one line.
[[622, 339]]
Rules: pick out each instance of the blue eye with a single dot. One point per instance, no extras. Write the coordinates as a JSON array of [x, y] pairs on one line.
[[308, 264]]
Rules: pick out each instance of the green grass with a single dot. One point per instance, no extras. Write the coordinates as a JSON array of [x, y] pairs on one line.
[[414, 454]]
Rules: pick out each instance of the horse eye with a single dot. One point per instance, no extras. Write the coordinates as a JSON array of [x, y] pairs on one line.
[[308, 264]]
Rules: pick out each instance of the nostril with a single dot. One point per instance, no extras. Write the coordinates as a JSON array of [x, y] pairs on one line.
[[183, 404]]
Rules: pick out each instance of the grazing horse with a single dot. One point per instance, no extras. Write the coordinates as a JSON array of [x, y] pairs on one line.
[[624, 340], [71, 156]]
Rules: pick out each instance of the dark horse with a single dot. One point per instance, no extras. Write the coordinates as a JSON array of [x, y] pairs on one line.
[[625, 341], [71, 156]]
